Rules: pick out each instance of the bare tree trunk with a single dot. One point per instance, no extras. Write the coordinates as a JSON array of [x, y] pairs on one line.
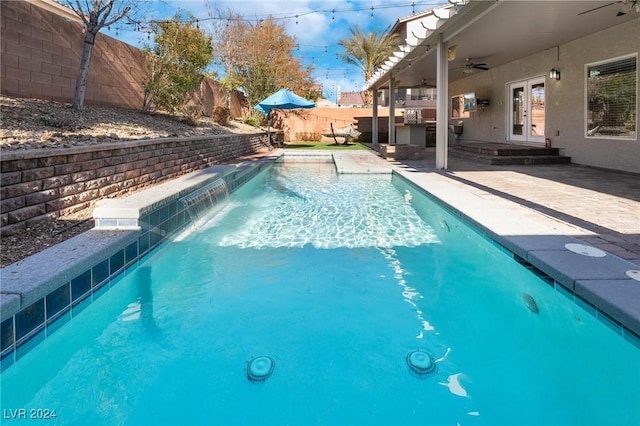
[[94, 15], [81, 81]]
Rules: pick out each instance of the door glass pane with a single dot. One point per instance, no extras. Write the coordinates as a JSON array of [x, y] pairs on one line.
[[518, 112], [537, 109]]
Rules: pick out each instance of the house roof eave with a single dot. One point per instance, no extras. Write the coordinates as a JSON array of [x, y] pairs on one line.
[[58, 8], [446, 18]]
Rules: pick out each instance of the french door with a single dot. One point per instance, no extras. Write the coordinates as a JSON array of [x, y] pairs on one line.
[[526, 118]]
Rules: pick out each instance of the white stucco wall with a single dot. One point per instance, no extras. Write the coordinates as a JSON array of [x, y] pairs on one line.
[[565, 99]]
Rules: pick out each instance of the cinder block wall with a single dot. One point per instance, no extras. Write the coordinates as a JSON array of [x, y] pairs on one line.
[[319, 120], [40, 58], [40, 185]]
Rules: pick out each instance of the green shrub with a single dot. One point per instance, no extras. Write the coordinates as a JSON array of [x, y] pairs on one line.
[[191, 115], [252, 121], [66, 119], [175, 64], [221, 115]]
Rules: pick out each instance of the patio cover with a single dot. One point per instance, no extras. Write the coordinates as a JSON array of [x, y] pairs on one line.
[[493, 32]]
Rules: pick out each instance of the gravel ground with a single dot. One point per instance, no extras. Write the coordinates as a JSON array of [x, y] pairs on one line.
[[39, 124]]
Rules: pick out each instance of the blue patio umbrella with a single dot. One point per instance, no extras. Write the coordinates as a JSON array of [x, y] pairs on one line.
[[283, 99], [260, 109]]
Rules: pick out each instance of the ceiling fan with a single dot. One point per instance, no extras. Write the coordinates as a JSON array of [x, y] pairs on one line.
[[626, 6], [426, 84], [469, 66]]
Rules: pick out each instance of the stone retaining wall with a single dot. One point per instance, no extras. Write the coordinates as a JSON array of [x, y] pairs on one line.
[[39, 185]]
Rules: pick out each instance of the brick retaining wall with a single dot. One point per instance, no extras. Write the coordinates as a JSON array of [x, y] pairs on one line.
[[39, 185]]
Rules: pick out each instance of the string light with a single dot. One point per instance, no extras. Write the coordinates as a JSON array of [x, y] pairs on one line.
[[139, 25], [148, 26]]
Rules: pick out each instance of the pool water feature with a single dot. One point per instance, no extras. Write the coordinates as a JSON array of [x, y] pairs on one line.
[[337, 284], [200, 201]]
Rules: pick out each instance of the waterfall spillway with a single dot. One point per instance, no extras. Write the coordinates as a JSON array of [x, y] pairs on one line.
[[204, 199]]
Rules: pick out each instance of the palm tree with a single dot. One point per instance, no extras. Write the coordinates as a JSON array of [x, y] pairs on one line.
[[367, 51]]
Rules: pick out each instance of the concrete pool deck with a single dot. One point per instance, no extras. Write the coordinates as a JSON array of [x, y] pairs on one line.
[[604, 206], [535, 211]]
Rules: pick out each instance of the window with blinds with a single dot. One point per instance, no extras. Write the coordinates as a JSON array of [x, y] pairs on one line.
[[612, 99]]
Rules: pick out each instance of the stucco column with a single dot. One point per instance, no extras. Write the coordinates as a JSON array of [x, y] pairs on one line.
[[374, 122], [392, 109], [442, 108]]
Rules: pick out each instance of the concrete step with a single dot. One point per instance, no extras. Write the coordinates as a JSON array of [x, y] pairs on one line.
[[505, 150], [505, 160]]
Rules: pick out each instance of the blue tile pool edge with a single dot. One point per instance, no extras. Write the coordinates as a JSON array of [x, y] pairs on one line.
[[548, 275], [35, 300]]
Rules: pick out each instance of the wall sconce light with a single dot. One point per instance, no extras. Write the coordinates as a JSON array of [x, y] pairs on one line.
[[554, 74], [482, 103]]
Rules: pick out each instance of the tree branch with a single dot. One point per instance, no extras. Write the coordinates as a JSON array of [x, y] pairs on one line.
[[119, 17], [78, 11], [107, 7]]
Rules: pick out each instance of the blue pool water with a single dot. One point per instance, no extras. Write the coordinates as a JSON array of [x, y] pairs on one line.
[[337, 279]]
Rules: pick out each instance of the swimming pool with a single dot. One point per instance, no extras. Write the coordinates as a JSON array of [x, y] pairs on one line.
[[337, 279]]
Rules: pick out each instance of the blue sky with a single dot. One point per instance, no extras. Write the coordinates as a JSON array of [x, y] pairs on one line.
[[318, 27]]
